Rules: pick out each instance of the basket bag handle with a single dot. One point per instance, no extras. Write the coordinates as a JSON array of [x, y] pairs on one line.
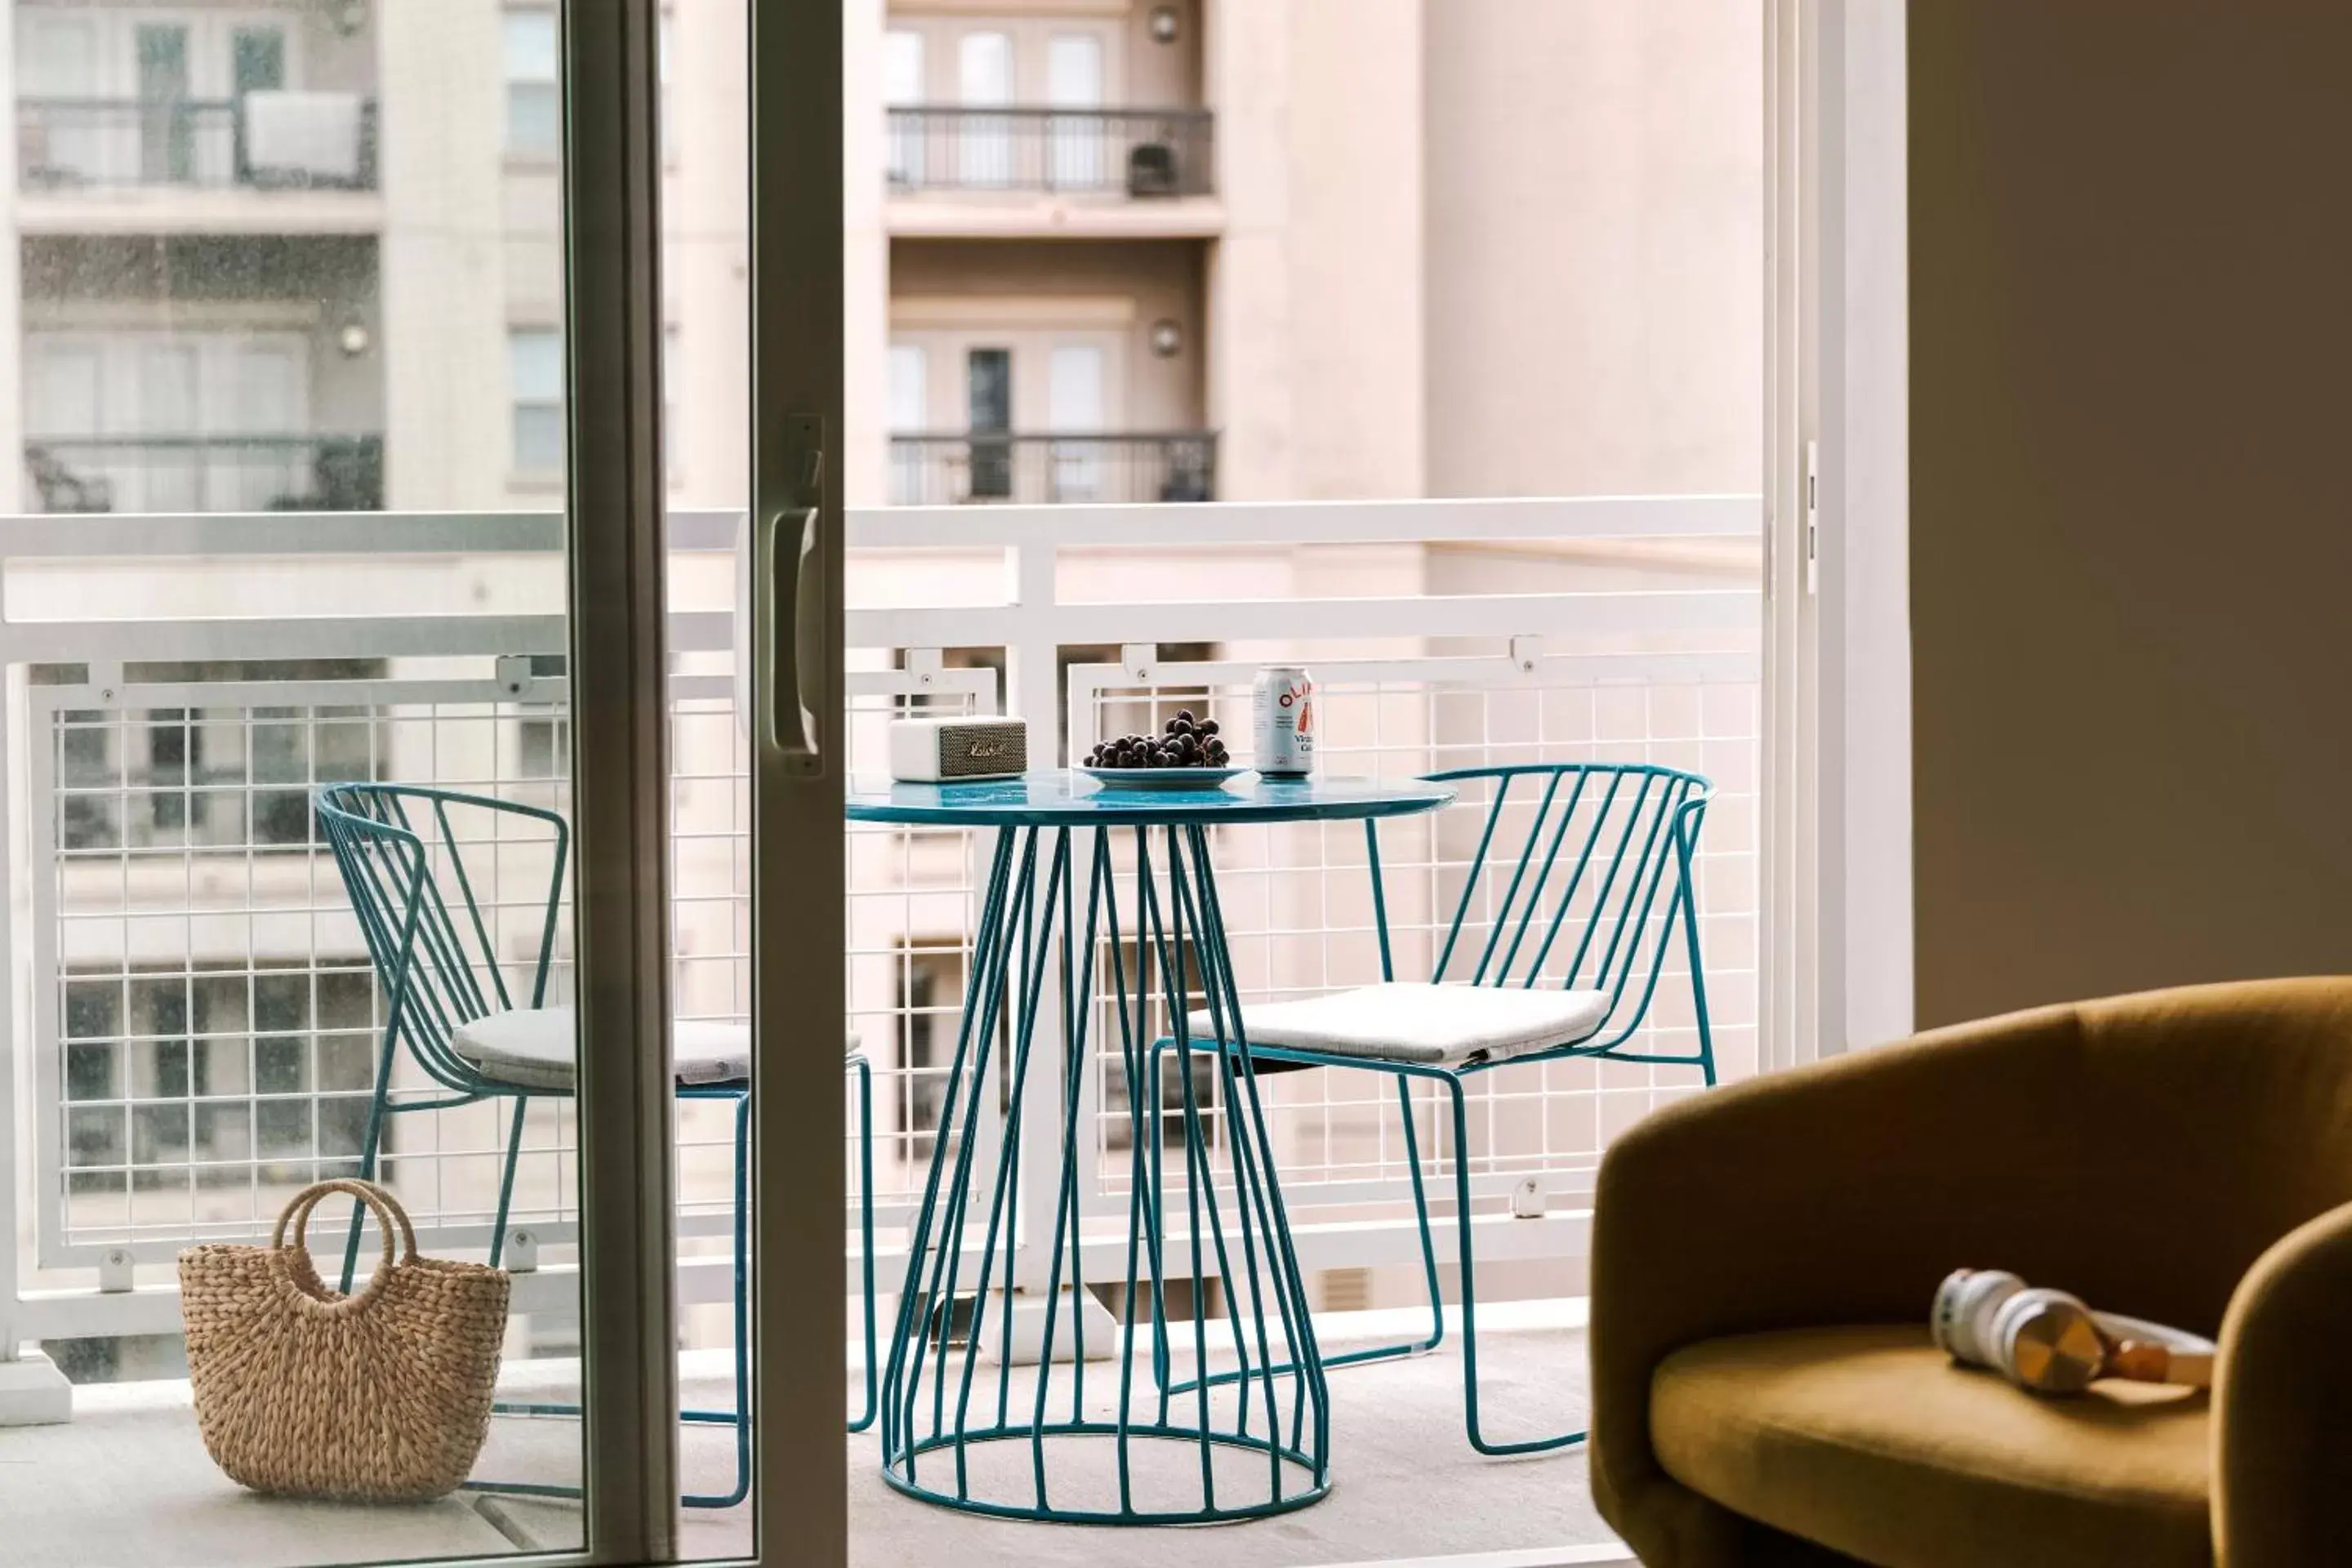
[[389, 1217]]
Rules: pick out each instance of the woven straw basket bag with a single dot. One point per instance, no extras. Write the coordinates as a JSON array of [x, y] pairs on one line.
[[381, 1396]]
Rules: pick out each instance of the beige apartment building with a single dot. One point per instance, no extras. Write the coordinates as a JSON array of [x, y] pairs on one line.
[[1254, 250], [305, 255]]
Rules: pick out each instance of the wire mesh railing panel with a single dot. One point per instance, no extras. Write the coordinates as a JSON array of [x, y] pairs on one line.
[[914, 901], [207, 1036], [211, 1040]]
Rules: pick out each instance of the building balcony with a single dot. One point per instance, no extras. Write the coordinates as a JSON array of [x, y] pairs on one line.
[[1053, 471], [204, 473], [263, 161], [193, 1015], [1134, 173]]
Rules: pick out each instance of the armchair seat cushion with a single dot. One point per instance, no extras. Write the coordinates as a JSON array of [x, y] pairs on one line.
[[1868, 1440]]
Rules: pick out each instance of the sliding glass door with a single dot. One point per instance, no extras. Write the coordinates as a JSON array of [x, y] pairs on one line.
[[397, 802]]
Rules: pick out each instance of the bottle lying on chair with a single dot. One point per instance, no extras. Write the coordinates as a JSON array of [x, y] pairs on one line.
[[2047, 1342]]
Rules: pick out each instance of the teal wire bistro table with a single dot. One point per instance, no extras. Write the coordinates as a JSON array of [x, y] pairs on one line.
[[964, 1423]]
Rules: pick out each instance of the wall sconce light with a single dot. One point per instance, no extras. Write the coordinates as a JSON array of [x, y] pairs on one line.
[[354, 338], [1167, 339], [349, 17], [1163, 24]]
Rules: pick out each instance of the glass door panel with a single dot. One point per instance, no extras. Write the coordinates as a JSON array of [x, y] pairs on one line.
[[1075, 396], [58, 66], [1074, 81], [169, 475], [909, 416], [290, 634], [984, 81], [903, 88], [988, 415], [166, 140]]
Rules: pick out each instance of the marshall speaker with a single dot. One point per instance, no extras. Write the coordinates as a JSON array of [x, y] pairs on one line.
[[940, 750]]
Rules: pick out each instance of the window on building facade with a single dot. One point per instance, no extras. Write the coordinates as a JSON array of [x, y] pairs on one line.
[[534, 107], [535, 384]]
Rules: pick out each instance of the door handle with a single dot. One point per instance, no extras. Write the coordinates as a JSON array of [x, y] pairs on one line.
[[792, 604]]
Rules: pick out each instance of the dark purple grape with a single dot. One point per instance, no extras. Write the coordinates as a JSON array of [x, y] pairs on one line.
[[1208, 727], [1183, 716]]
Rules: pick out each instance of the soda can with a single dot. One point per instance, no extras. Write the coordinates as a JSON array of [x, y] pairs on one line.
[[1282, 712]]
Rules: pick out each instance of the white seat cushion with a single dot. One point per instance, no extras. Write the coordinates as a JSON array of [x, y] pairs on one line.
[[1433, 1024], [536, 1047]]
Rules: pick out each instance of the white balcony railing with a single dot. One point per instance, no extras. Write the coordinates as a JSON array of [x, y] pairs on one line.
[[193, 1017]]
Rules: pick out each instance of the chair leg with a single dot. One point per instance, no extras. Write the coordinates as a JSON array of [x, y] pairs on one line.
[[506, 1180], [1470, 1297], [1420, 1216], [741, 1416], [865, 1070], [1697, 979], [1429, 1273], [369, 1144]]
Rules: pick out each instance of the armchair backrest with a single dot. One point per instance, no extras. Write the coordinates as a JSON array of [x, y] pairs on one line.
[[437, 971], [1589, 894]]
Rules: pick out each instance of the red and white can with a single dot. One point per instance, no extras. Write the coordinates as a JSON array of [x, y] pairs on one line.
[[1282, 713]]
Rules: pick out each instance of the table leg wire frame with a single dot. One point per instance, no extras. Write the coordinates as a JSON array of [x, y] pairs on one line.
[[1257, 1444]]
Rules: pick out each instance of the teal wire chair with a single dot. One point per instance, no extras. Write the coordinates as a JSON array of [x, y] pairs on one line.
[[440, 974], [1580, 919]]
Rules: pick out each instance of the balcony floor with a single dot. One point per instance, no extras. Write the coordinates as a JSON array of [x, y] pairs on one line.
[[128, 1482]]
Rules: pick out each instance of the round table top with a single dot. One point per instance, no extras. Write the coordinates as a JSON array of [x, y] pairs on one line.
[[1064, 799]]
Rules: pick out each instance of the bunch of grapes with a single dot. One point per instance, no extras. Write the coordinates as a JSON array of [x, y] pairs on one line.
[[1185, 743]]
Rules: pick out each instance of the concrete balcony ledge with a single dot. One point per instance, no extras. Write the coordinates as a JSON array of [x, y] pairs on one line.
[[1030, 215], [174, 210]]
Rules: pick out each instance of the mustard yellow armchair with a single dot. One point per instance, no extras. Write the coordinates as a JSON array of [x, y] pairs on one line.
[[1764, 1391]]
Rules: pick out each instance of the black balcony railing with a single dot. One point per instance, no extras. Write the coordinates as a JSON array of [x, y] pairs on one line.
[[99, 143], [1099, 151], [206, 473], [1031, 470]]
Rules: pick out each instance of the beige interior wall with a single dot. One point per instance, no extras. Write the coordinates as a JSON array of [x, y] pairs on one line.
[[1594, 249], [2131, 510]]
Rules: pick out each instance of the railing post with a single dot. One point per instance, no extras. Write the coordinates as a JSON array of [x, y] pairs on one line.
[[1032, 679], [33, 1391]]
